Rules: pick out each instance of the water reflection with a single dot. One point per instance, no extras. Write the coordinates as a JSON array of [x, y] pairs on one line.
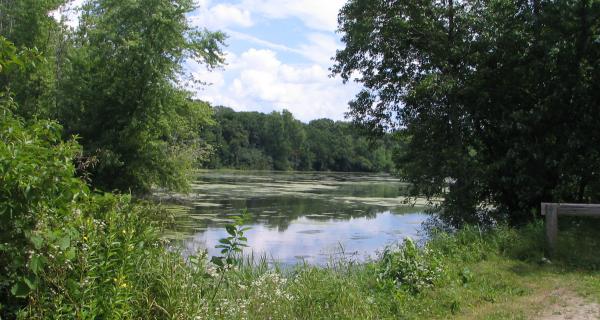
[[298, 216], [316, 241]]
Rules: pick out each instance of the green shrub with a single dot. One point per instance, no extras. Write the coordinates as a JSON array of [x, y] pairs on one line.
[[119, 268], [410, 267], [37, 193], [469, 244], [66, 252]]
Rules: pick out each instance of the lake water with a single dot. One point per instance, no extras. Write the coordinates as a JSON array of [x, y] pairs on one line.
[[298, 217]]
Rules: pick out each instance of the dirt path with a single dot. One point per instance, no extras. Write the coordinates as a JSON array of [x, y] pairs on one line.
[[567, 305]]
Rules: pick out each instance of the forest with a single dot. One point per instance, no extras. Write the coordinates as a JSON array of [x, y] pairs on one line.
[[277, 141], [481, 110]]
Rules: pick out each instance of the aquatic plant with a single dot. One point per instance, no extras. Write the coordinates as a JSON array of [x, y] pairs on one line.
[[231, 249], [233, 244]]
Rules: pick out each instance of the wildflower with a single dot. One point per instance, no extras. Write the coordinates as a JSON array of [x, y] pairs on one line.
[[211, 271]]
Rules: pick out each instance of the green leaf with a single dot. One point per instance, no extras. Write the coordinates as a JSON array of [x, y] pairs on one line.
[[36, 264], [217, 261], [73, 286], [70, 254], [20, 290], [231, 229], [64, 242], [31, 282], [37, 241]]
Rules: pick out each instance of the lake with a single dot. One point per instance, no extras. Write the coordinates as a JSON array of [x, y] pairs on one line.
[[298, 217]]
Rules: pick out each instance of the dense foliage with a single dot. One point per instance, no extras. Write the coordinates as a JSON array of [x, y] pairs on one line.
[[253, 140], [70, 253], [114, 81], [498, 100], [28, 25], [120, 94], [37, 188]]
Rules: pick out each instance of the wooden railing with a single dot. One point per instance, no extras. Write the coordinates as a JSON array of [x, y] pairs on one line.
[[552, 210]]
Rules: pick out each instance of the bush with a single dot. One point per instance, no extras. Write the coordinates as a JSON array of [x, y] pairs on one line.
[[66, 252], [118, 268], [37, 193], [411, 268]]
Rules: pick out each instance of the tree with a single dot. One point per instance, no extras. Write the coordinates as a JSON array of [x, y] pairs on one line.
[[296, 137], [253, 140], [322, 138], [27, 24], [275, 141], [494, 100], [36, 183], [121, 95]]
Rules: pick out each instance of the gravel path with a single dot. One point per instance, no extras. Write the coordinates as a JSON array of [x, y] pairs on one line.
[[568, 305]]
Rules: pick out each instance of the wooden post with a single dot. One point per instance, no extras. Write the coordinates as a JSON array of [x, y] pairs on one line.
[[551, 212]]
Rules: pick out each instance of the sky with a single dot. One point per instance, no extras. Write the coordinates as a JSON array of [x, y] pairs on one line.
[[278, 55]]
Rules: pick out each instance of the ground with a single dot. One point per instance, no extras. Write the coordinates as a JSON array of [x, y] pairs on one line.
[[549, 294], [569, 305]]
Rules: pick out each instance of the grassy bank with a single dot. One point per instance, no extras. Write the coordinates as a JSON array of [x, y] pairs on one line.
[[471, 274], [67, 252], [121, 270]]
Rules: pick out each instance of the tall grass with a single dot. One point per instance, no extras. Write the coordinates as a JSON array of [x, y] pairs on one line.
[[123, 271], [67, 252]]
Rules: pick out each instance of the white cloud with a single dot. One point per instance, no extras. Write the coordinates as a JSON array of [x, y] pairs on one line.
[[315, 14], [220, 16], [257, 79], [319, 15], [68, 13], [264, 43], [320, 48]]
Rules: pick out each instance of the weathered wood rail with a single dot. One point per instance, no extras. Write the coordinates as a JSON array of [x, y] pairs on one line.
[[552, 210]]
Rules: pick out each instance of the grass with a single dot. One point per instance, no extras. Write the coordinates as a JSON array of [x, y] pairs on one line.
[[494, 275], [67, 252], [122, 271]]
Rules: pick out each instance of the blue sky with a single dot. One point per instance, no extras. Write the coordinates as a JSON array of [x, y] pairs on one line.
[[278, 55]]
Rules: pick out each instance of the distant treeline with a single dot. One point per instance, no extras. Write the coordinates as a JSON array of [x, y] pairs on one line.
[[278, 141]]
